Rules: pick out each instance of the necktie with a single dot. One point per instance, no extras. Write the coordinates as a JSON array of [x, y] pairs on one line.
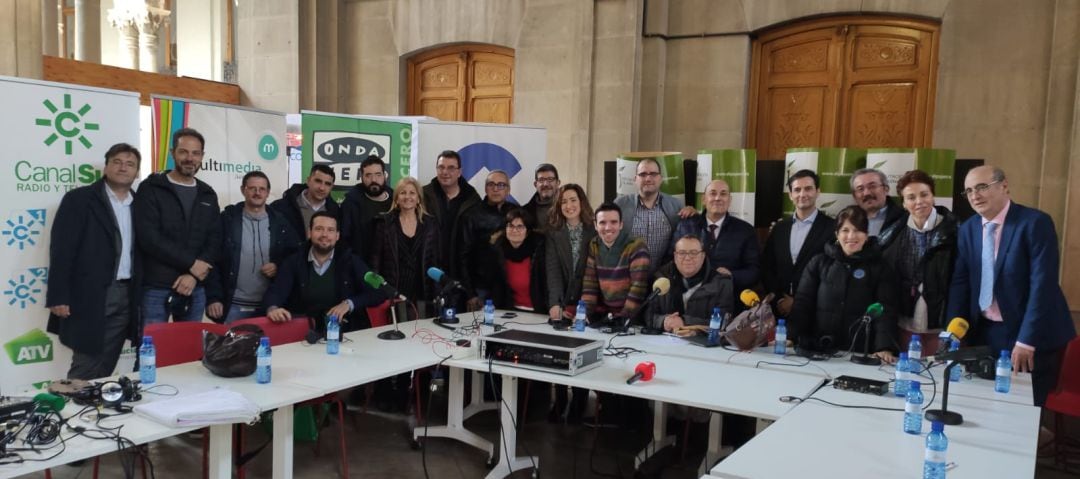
[[986, 285], [712, 231]]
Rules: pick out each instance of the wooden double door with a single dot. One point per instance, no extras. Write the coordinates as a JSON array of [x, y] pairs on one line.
[[855, 82], [463, 83]]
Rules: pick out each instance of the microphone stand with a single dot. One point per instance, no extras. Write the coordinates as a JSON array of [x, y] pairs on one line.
[[953, 418], [394, 334], [866, 358]]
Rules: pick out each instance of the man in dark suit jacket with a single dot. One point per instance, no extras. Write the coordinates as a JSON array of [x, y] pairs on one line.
[[1019, 306], [731, 242], [92, 299], [787, 254]]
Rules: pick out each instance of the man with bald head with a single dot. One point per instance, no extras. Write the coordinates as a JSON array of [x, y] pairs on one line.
[[870, 188], [480, 224], [730, 242], [1006, 281]]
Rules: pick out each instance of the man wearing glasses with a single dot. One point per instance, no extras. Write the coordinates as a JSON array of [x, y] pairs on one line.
[[482, 222], [449, 198], [546, 182], [870, 188], [651, 214], [1006, 280], [695, 289], [255, 239]]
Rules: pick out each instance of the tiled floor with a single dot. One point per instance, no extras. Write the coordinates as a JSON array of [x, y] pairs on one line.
[[380, 448]]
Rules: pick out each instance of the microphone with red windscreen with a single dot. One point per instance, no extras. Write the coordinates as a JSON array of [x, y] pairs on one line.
[[644, 371]]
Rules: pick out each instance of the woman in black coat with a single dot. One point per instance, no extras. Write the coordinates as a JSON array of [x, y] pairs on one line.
[[838, 286], [407, 243], [518, 276], [570, 228], [922, 251]]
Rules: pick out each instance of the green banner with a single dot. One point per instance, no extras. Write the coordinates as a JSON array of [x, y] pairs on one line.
[[834, 167], [343, 142], [938, 163]]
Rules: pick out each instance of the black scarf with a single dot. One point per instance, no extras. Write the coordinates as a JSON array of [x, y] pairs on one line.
[[522, 252]]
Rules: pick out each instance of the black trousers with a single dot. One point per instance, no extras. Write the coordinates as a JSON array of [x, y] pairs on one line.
[[115, 331], [1047, 361]]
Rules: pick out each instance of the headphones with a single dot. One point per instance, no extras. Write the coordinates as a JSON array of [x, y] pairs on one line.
[[108, 393]]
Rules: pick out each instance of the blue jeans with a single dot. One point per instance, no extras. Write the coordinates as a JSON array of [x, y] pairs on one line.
[[236, 312], [153, 306]]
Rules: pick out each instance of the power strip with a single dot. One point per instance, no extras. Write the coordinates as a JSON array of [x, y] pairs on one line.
[[861, 385]]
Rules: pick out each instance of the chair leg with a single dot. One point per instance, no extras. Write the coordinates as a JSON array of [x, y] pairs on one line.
[[417, 410], [239, 435], [97, 463], [48, 474], [685, 437], [145, 448], [341, 432]]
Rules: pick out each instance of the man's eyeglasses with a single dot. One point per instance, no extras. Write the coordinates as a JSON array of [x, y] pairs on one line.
[[546, 181], [980, 188], [446, 168], [648, 174], [688, 254], [868, 187], [497, 186]]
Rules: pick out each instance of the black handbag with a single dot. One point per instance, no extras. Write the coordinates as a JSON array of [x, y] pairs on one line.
[[232, 355]]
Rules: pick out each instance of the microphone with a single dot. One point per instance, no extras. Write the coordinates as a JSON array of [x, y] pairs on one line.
[[660, 287], [749, 298], [874, 311], [957, 329], [440, 277], [644, 372], [47, 402], [376, 281]]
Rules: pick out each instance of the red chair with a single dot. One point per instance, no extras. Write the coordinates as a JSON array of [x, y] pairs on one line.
[[379, 315], [177, 343], [292, 332], [1065, 400]]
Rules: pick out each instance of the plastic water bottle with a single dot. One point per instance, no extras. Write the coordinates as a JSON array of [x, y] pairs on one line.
[[333, 335], [780, 346], [147, 362], [489, 313], [579, 316], [934, 459], [262, 361], [902, 381], [1003, 378], [914, 349], [954, 375], [714, 326], [913, 410]]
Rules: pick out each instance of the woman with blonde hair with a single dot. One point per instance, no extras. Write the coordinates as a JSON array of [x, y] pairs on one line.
[[407, 243]]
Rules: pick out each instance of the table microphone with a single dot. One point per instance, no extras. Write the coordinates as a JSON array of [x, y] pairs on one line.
[[873, 312], [644, 371], [957, 329], [660, 287], [749, 298], [376, 281]]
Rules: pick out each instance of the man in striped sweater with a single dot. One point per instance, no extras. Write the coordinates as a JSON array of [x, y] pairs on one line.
[[616, 277]]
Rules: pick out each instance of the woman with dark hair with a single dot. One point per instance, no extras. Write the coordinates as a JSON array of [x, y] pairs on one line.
[[519, 265], [922, 251], [838, 286], [570, 228], [407, 243]]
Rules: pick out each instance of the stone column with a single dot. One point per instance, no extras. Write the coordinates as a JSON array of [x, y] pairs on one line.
[[123, 22], [138, 24], [88, 31], [49, 28]]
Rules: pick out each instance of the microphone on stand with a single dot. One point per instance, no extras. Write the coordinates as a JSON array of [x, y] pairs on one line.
[[375, 280], [643, 372], [957, 329], [660, 287], [749, 298], [872, 312], [442, 300]]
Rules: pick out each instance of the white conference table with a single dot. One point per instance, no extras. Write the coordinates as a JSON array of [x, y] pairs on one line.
[[679, 380], [997, 439]]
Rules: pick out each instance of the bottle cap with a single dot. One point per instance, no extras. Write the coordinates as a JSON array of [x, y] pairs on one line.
[[1005, 353], [915, 386], [489, 302], [264, 341], [903, 356], [781, 321], [937, 426], [150, 340]]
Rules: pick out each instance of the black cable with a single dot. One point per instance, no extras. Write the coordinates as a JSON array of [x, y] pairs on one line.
[[620, 352], [513, 422], [796, 399], [427, 418]]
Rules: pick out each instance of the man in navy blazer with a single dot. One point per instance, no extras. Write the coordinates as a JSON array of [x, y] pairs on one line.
[[1020, 306]]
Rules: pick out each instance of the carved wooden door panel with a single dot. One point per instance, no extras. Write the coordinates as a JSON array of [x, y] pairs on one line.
[[848, 82], [463, 83]]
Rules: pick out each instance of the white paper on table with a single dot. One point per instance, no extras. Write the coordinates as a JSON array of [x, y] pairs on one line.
[[217, 406]]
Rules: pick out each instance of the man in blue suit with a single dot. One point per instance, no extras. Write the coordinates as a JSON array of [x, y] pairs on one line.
[[1006, 280]]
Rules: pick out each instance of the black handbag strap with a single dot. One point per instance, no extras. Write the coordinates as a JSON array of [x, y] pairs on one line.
[[243, 329]]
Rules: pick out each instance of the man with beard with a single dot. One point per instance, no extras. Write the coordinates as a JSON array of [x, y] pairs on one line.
[[302, 200], [91, 299], [254, 241], [176, 220], [320, 281], [362, 204], [546, 182], [870, 188]]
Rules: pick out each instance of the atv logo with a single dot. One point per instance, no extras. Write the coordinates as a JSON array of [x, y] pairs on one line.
[[32, 347]]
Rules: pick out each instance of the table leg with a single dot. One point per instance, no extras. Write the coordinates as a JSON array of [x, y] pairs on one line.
[[476, 401], [221, 447], [509, 462], [283, 442], [454, 428], [715, 451], [660, 439]]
